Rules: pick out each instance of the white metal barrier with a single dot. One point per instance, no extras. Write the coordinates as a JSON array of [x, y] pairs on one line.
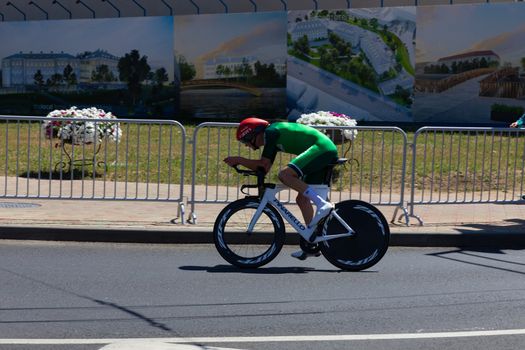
[[467, 165], [375, 173], [145, 161]]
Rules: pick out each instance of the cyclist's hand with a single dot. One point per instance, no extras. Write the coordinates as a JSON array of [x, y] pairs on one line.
[[232, 161], [514, 125]]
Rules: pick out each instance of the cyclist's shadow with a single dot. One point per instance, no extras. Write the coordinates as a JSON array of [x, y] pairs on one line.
[[260, 270]]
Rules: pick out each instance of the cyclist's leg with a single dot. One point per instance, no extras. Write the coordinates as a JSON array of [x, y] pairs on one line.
[[306, 207], [290, 176], [306, 168], [311, 165]]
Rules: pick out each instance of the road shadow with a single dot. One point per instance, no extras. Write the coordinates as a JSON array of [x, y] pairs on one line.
[[478, 257], [260, 270], [486, 245], [491, 238], [125, 310]]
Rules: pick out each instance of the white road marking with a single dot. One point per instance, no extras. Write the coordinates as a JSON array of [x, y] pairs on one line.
[[156, 345], [266, 339]]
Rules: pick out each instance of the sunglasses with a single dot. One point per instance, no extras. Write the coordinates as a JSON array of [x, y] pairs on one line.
[[248, 142]]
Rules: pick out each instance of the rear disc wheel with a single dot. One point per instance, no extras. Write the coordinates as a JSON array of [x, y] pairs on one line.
[[368, 244]]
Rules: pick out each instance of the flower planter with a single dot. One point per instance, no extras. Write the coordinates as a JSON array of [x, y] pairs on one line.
[[88, 156], [82, 132], [332, 119], [337, 136], [84, 135]]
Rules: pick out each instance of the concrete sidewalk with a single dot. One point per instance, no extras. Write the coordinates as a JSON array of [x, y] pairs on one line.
[[480, 225]]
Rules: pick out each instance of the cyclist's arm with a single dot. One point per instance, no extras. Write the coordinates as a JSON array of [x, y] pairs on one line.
[[252, 164], [520, 122]]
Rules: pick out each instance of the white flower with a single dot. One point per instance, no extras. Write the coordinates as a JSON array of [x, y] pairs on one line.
[[324, 118], [82, 132]]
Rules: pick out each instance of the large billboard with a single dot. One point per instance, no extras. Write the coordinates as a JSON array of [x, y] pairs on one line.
[[231, 65], [470, 64], [121, 65], [453, 65], [358, 62]]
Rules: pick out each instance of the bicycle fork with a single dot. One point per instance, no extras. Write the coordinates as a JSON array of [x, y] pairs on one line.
[[257, 215]]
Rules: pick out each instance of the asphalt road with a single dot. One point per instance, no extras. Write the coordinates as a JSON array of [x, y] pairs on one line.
[[94, 296]]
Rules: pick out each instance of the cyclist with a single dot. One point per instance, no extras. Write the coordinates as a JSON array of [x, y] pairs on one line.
[[314, 152], [520, 123]]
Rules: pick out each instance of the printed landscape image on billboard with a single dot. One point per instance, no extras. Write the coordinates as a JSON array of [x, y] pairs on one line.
[[230, 66], [122, 65], [470, 64], [359, 62]]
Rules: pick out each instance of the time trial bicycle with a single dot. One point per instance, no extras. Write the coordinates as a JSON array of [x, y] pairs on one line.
[[250, 232]]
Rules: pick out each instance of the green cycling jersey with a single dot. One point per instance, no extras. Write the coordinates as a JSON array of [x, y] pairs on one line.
[[314, 149]]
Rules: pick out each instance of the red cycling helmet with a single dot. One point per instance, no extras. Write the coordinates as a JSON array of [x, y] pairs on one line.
[[249, 128]]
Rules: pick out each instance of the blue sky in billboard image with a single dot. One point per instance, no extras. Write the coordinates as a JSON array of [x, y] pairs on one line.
[[449, 30], [152, 36], [260, 35]]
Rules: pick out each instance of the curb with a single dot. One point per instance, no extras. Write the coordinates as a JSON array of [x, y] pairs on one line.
[[512, 240]]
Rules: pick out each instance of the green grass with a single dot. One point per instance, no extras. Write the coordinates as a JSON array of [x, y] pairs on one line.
[[450, 162], [470, 161], [147, 152]]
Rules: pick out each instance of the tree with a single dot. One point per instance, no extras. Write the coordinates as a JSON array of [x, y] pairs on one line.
[[227, 72], [69, 75], [160, 77], [444, 69], [102, 73], [302, 45], [187, 70], [523, 63], [374, 23], [219, 71], [328, 59], [246, 69], [366, 75], [39, 78], [404, 94], [55, 80], [133, 69], [265, 72], [454, 67]]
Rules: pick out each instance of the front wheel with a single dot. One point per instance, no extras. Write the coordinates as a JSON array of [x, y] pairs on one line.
[[248, 249], [369, 243]]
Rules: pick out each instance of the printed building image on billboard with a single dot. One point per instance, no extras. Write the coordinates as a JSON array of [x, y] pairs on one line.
[[230, 66], [470, 64], [359, 62], [120, 65]]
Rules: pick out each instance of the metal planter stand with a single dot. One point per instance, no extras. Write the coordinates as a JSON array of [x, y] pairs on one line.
[[71, 162]]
